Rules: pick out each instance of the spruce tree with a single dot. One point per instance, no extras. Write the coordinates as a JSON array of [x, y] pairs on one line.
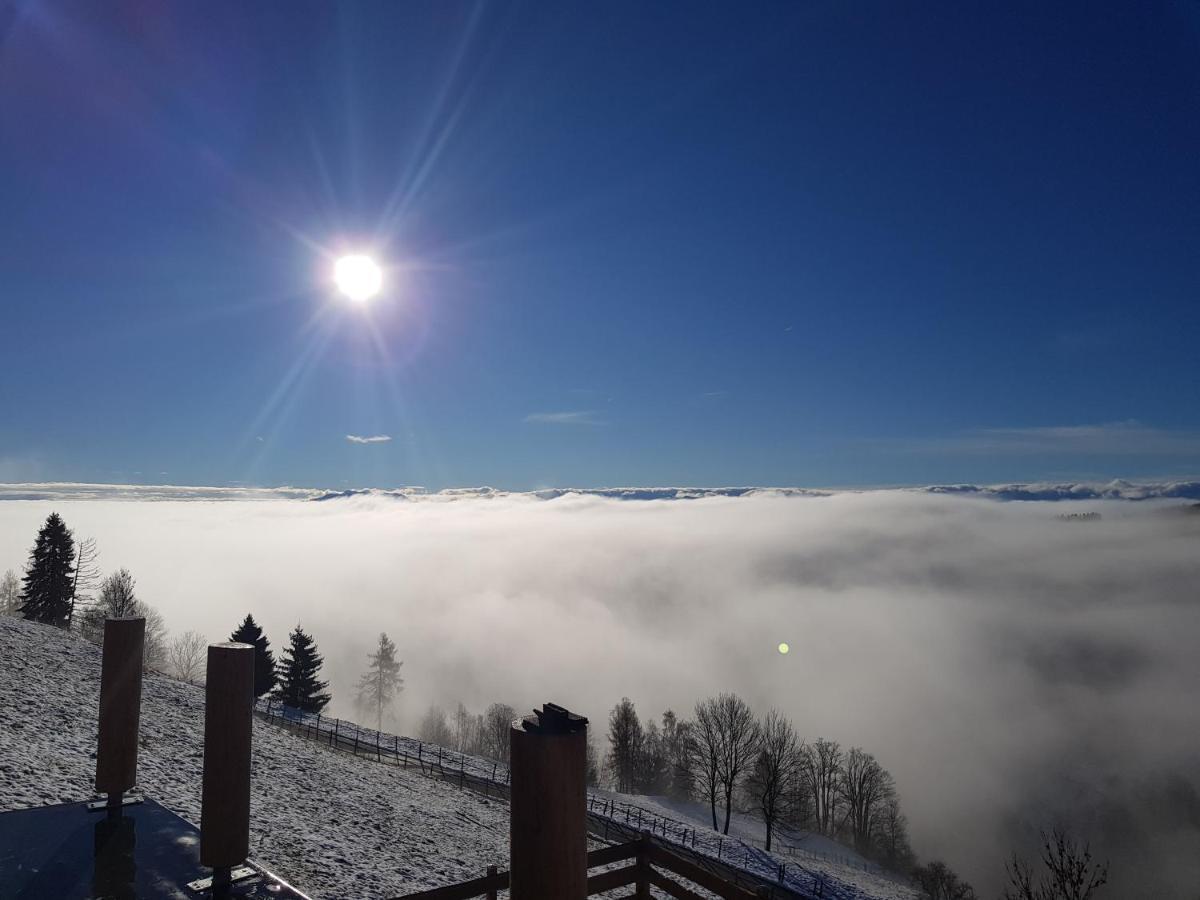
[[48, 582], [264, 660], [378, 687], [297, 685]]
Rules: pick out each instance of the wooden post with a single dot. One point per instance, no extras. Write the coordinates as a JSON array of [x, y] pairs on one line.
[[491, 894], [642, 885], [228, 726], [120, 707], [548, 806]]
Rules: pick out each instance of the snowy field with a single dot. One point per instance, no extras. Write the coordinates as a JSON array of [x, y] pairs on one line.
[[333, 825]]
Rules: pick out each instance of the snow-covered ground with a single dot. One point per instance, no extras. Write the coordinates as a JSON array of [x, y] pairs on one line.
[[333, 824]]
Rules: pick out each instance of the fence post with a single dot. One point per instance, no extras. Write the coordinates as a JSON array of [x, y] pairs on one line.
[[377, 756], [642, 885], [356, 732], [333, 737], [548, 806], [396, 748], [228, 727], [491, 894], [318, 724], [120, 708]]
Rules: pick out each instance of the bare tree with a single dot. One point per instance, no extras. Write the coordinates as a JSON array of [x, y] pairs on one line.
[[10, 594], [497, 723], [866, 786], [737, 741], [186, 657], [677, 743], [435, 729], [821, 766], [1070, 871], [118, 599], [86, 578], [893, 837], [465, 731], [705, 751], [939, 882], [775, 768]]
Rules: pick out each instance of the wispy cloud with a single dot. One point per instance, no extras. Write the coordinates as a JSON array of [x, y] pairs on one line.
[[373, 439], [572, 417], [1106, 439]]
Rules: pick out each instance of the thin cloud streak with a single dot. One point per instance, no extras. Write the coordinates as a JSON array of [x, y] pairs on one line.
[[572, 417], [373, 439], [1129, 438]]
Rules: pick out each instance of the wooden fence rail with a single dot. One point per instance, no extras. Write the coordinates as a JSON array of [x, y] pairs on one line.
[[649, 858]]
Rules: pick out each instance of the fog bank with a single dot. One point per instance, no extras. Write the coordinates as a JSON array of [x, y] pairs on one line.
[[1007, 666]]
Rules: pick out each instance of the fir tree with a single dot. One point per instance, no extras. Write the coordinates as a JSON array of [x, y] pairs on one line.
[[297, 684], [377, 688], [264, 660], [48, 581]]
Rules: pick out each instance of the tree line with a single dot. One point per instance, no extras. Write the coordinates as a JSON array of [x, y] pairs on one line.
[[62, 586]]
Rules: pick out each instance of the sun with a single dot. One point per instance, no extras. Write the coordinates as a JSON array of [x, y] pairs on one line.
[[358, 277]]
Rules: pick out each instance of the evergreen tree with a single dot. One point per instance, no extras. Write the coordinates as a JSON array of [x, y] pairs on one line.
[[378, 686], [297, 684], [48, 581], [249, 632]]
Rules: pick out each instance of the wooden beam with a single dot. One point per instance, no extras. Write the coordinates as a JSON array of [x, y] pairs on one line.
[[120, 705], [228, 726]]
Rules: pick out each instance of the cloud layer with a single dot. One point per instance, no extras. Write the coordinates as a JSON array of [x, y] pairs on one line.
[[1006, 665], [373, 439]]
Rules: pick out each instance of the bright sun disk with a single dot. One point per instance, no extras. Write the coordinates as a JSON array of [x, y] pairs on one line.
[[358, 277]]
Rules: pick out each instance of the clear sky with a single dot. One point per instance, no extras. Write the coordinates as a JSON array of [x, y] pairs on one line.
[[645, 243]]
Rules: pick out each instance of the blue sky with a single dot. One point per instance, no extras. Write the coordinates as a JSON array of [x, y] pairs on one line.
[[777, 243]]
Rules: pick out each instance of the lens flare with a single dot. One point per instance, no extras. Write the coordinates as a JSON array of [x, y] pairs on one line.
[[358, 277], [784, 648]]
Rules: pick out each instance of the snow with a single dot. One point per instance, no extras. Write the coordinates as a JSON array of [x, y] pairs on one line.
[[333, 824]]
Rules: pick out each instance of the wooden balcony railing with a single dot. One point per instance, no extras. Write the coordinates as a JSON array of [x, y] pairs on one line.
[[648, 867]]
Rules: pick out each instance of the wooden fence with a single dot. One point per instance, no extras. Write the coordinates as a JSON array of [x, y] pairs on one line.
[[648, 862]]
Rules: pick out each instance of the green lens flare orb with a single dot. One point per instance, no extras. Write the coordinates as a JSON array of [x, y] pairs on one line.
[[784, 648]]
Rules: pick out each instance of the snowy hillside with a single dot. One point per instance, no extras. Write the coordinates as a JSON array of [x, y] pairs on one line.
[[333, 825]]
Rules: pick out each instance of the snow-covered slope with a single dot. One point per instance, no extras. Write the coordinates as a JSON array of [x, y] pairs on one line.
[[333, 825]]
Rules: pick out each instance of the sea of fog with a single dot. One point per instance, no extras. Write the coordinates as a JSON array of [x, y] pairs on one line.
[[1009, 667]]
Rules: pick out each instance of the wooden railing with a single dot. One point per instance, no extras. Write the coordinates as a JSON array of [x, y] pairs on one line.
[[649, 863]]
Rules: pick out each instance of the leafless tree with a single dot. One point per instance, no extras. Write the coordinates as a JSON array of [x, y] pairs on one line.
[[893, 837], [86, 578], [821, 766], [705, 748], [186, 657], [10, 593], [1071, 873], [465, 731], [939, 882], [737, 741], [866, 787], [435, 729], [118, 598], [497, 722], [775, 769]]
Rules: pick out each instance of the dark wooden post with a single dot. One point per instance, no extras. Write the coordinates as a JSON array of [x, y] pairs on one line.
[[548, 806], [642, 886], [491, 894], [120, 707], [228, 726]]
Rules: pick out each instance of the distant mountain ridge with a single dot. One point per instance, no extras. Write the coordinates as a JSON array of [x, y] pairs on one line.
[[1017, 491]]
